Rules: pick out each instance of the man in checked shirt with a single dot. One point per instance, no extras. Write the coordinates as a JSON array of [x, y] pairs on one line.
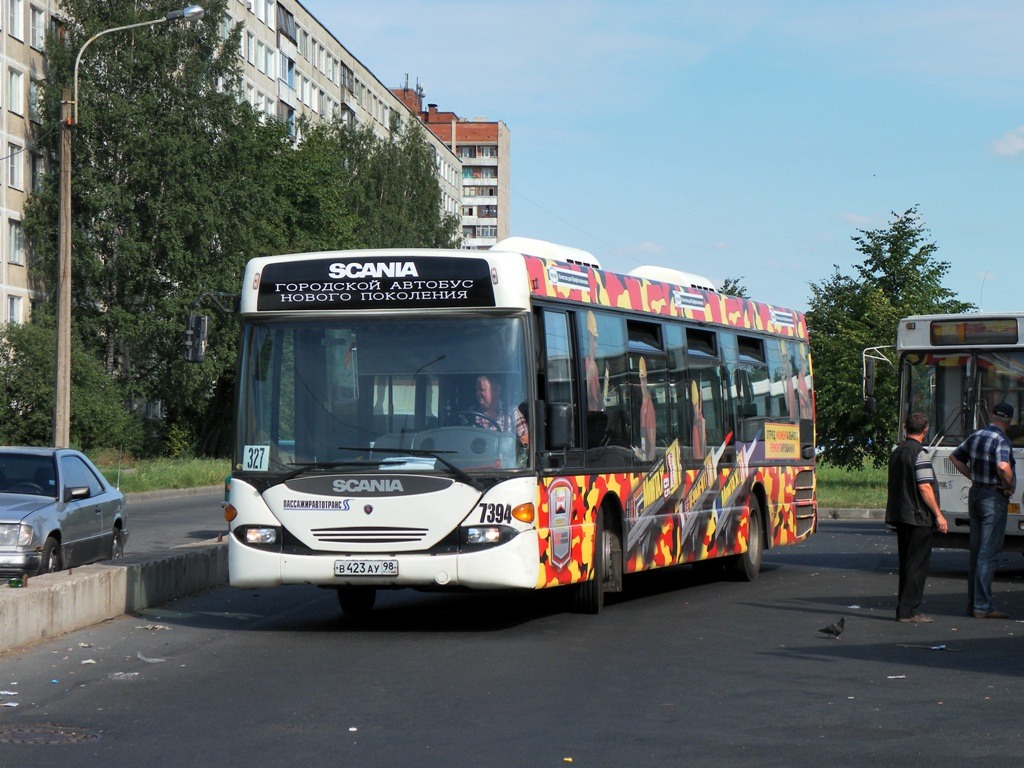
[[986, 457]]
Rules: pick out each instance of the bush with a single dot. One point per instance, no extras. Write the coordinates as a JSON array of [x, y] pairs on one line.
[[99, 418]]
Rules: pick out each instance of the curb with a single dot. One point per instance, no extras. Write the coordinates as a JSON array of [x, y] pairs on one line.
[[57, 603], [852, 514]]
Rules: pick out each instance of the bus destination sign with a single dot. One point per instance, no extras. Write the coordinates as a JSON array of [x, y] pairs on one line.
[[392, 282]]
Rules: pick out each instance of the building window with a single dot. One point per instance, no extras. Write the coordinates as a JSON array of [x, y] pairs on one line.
[[37, 166], [15, 242], [14, 310], [16, 19], [14, 163], [487, 211], [467, 151], [16, 91], [33, 100], [250, 47], [37, 29], [288, 71], [488, 151]]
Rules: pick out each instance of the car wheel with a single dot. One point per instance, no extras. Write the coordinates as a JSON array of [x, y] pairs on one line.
[[49, 562]]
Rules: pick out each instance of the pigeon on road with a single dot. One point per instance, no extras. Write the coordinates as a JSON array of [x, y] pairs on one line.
[[834, 630]]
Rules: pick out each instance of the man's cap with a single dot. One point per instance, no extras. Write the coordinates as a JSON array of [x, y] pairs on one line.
[[1003, 411]]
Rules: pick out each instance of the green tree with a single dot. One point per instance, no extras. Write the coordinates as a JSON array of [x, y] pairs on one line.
[[98, 416], [177, 184], [733, 286], [899, 276], [172, 191]]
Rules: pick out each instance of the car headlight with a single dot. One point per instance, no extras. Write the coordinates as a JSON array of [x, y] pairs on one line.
[[15, 535]]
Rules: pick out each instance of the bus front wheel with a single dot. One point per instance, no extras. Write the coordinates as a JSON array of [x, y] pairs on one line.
[[589, 595]]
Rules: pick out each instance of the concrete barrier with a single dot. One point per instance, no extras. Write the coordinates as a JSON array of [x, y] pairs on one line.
[[62, 602]]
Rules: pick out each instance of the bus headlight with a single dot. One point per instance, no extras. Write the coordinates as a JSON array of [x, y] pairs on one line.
[[486, 536], [256, 536]]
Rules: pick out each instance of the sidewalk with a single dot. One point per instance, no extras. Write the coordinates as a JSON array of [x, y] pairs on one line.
[[58, 603]]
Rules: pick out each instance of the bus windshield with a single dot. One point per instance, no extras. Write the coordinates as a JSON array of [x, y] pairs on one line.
[[425, 394], [957, 390]]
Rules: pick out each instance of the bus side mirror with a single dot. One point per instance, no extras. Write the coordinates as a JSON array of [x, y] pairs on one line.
[[869, 385], [559, 429], [195, 338]]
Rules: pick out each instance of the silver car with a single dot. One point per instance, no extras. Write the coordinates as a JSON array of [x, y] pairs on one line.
[[56, 511]]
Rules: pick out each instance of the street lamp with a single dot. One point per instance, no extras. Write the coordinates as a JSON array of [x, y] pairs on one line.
[[68, 119]]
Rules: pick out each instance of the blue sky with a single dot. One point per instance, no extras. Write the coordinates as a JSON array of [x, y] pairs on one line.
[[739, 139]]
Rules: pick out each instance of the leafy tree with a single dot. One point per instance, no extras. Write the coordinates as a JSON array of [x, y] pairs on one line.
[[733, 286], [172, 191], [899, 276], [177, 184], [98, 416]]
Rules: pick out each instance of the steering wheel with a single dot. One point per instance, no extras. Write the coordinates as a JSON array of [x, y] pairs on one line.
[[26, 488], [477, 415]]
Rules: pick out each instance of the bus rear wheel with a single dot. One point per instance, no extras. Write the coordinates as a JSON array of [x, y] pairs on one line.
[[356, 601], [746, 566]]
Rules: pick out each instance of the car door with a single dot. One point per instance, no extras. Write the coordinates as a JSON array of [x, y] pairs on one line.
[[83, 516]]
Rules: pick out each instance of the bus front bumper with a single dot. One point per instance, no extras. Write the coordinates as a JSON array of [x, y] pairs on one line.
[[511, 565]]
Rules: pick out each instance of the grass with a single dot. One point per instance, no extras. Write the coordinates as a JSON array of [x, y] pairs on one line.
[[137, 475], [837, 488], [851, 488]]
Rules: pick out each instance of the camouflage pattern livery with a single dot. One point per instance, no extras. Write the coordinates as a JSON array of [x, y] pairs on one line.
[[673, 514], [580, 284], [701, 515]]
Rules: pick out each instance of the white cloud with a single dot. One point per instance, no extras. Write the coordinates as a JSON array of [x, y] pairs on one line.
[[1011, 143], [648, 247]]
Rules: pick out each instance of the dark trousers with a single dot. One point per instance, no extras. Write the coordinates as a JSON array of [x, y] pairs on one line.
[[915, 547]]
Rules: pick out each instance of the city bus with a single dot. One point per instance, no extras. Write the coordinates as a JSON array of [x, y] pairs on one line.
[[954, 368], [516, 418]]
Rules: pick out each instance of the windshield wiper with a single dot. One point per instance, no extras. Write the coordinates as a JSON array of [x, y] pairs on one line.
[[457, 472], [313, 465]]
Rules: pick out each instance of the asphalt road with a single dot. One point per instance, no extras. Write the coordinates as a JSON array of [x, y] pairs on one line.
[[682, 670], [158, 522]]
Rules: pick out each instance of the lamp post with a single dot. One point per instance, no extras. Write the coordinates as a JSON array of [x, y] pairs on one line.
[[69, 119]]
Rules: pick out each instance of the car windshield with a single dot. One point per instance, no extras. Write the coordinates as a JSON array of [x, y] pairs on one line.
[[27, 474], [414, 393]]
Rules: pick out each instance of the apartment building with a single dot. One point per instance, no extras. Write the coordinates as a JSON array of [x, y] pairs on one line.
[[23, 27], [483, 148], [291, 66]]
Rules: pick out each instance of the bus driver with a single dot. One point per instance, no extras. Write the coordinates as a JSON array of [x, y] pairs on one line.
[[492, 413]]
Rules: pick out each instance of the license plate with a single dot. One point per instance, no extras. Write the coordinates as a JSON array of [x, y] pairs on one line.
[[1014, 508], [365, 567]]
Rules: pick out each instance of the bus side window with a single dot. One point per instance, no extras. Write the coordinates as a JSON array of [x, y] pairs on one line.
[[707, 408], [558, 383]]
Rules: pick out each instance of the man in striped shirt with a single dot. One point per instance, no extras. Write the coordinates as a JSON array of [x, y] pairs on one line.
[[912, 506]]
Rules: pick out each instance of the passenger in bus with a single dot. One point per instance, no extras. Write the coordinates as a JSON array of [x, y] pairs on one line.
[[912, 506], [700, 433], [648, 425], [493, 414], [595, 400]]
